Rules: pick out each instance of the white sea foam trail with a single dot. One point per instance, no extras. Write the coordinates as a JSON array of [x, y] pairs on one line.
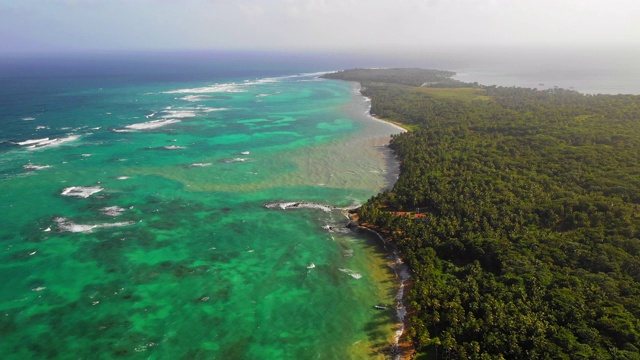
[[81, 191], [28, 118], [201, 164], [234, 160], [113, 210], [35, 167], [217, 88], [287, 205], [351, 273], [66, 225], [153, 124], [194, 98], [32, 142], [46, 142], [209, 109], [178, 114]]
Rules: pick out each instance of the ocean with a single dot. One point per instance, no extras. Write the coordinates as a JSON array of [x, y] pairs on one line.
[[133, 192]]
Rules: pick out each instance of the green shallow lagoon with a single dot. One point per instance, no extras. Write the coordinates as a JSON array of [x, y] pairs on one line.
[[175, 257]]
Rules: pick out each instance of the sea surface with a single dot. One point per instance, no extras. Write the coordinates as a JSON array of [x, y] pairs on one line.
[[132, 193]]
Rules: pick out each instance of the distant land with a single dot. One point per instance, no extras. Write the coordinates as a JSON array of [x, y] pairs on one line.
[[517, 211]]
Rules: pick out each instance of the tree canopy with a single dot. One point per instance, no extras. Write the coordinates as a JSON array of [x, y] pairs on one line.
[[530, 246]]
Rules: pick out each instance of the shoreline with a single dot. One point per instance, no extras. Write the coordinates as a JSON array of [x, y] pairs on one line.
[[398, 347], [401, 349], [358, 88]]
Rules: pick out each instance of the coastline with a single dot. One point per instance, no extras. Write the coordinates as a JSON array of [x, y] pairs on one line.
[[401, 348], [398, 126], [396, 347]]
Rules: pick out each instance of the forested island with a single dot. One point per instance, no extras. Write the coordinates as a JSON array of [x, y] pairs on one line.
[[527, 243]]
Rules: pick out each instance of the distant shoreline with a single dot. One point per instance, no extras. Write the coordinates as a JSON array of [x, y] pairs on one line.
[[402, 349], [394, 124]]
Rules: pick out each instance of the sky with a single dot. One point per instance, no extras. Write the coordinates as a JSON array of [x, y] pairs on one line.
[[341, 25]]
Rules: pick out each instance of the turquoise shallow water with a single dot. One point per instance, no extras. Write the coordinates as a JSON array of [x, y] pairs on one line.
[[134, 225]]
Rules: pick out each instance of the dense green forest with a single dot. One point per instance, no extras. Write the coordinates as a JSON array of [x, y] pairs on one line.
[[405, 76], [530, 248]]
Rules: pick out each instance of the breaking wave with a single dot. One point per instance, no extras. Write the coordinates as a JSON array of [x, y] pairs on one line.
[[46, 142], [66, 225], [153, 124], [351, 273], [81, 191], [35, 167]]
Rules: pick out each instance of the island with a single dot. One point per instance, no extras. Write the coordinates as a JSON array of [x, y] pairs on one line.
[[517, 212]]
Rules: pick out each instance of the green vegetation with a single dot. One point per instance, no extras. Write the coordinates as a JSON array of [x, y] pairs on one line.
[[411, 77], [530, 247]]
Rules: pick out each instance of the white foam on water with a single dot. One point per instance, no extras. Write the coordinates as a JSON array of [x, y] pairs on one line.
[[41, 127], [173, 147], [113, 210], [32, 142], [141, 348], [194, 98], [311, 266], [216, 88], [122, 131], [122, 177], [28, 118], [150, 115], [351, 273], [262, 95], [35, 167], [86, 155], [201, 164], [299, 205], [210, 109], [66, 225], [234, 160], [153, 124], [263, 81], [81, 191], [48, 142], [39, 288], [282, 205], [178, 114], [245, 153]]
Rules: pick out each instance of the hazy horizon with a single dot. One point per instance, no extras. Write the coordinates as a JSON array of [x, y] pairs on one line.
[[67, 26]]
